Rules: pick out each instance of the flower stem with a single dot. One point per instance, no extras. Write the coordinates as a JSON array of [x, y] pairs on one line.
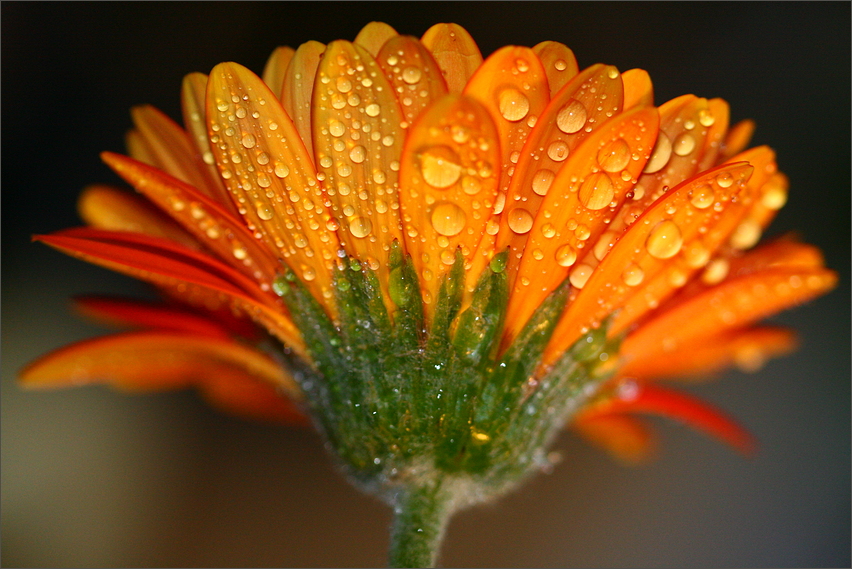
[[421, 514]]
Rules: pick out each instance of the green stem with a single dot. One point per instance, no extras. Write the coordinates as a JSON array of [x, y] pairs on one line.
[[420, 516]]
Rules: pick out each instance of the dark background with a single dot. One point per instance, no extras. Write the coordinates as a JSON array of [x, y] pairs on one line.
[[90, 477]]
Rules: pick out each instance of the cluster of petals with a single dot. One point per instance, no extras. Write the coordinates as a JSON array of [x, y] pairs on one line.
[[341, 150]]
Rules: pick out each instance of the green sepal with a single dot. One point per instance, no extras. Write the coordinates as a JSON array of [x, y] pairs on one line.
[[448, 302], [404, 292]]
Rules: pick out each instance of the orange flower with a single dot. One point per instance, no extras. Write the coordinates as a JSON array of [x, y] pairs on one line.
[[440, 178]]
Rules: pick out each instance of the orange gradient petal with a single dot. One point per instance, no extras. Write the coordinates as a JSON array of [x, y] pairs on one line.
[[737, 139], [638, 89], [276, 68], [246, 397], [625, 438], [298, 87], [413, 73], [558, 62], [457, 54], [373, 36]]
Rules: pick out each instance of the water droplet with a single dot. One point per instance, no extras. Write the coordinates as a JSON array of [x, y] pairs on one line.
[[566, 256], [248, 140], [571, 117], [706, 118], [411, 75], [774, 194], [684, 144], [715, 272], [604, 244], [264, 211], [379, 177], [332, 224], [522, 65], [358, 154], [702, 197], [557, 151], [344, 85], [336, 128], [542, 180], [548, 230], [471, 185], [614, 156], [633, 275], [388, 140], [344, 170], [725, 180], [660, 155], [222, 106], [560, 65], [580, 275], [612, 72], [372, 110], [665, 240], [447, 257], [448, 219], [746, 235], [597, 191], [513, 104], [239, 251], [520, 220], [440, 166], [677, 278], [538, 254], [696, 255], [360, 227]]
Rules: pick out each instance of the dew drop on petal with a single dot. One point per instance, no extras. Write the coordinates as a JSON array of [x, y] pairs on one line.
[[360, 227], [440, 166], [520, 220], [281, 170], [460, 134], [696, 255], [566, 256], [542, 181], [660, 155], [560, 65], [513, 104], [715, 272], [684, 144], [746, 235], [725, 180], [447, 257], [557, 151], [571, 117], [548, 230], [471, 185], [614, 156], [448, 219], [633, 275], [358, 154], [264, 211], [344, 85], [372, 110], [702, 197], [336, 128], [580, 275], [248, 140], [411, 75], [597, 191], [665, 240]]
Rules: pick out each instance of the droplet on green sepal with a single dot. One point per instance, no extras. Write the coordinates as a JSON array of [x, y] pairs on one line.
[[498, 262], [280, 286]]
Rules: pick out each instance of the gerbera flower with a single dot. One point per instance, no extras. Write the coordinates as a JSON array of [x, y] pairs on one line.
[[441, 260]]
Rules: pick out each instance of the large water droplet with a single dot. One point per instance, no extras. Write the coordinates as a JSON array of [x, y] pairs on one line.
[[344, 85], [358, 154], [440, 166], [336, 128], [702, 197], [746, 235], [633, 275], [706, 118], [264, 211], [580, 275], [372, 110], [571, 117], [248, 140], [360, 227], [614, 156], [448, 219], [660, 155], [471, 185], [557, 151], [665, 240], [542, 181], [597, 191], [520, 220], [513, 104], [566, 256], [411, 75], [684, 144]]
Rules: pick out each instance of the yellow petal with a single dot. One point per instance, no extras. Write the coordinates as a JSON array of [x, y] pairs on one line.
[[276, 68], [455, 51], [357, 145], [413, 74], [193, 95], [638, 89], [262, 161], [373, 36], [576, 210], [448, 184], [106, 207], [297, 89], [559, 63]]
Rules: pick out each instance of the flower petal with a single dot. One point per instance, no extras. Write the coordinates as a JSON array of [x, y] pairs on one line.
[[715, 119], [166, 264], [448, 185], [737, 139], [748, 349], [576, 210], [193, 94], [276, 68], [105, 207], [246, 397], [644, 398], [413, 74], [144, 361], [373, 36], [638, 89], [357, 145], [263, 160], [298, 87], [220, 231], [626, 279], [624, 437], [457, 54], [559, 63]]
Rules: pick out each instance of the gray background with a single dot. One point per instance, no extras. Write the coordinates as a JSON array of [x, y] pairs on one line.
[[95, 478]]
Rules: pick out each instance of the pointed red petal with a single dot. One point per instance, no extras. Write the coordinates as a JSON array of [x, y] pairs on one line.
[[247, 397], [625, 438]]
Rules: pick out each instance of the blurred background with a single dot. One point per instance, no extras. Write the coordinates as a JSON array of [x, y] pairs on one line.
[[95, 478]]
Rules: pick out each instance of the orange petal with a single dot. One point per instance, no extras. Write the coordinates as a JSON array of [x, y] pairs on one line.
[[150, 361], [748, 349], [246, 397], [448, 183], [455, 51], [625, 438], [298, 87], [715, 119], [734, 303], [137, 313], [276, 68], [357, 145], [413, 74], [210, 223], [373, 36], [166, 264], [582, 106], [105, 207], [262, 160], [559, 63], [638, 89], [644, 398], [193, 94], [737, 139], [626, 280], [576, 210]]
